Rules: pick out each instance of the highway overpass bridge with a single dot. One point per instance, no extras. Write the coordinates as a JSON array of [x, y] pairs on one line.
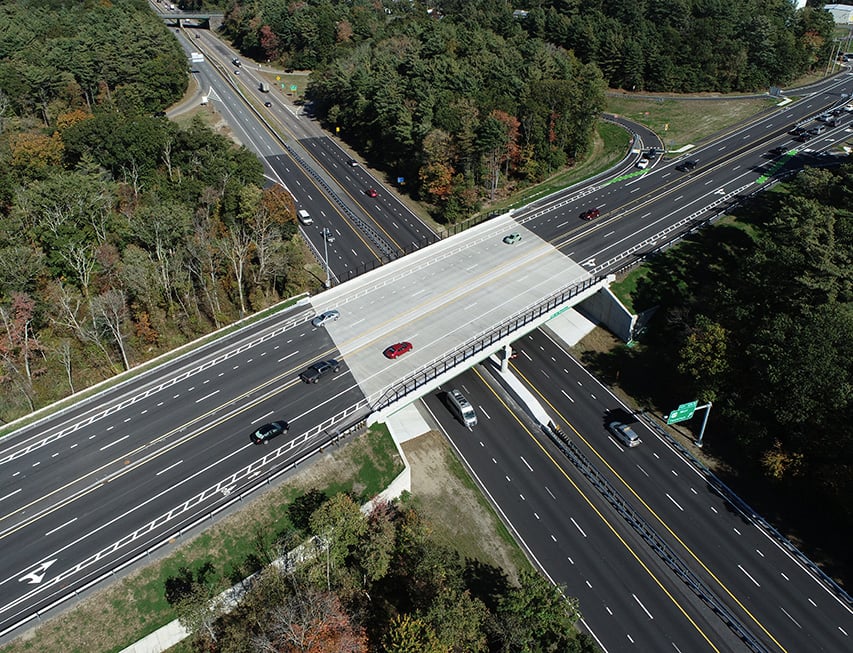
[[200, 18], [457, 301]]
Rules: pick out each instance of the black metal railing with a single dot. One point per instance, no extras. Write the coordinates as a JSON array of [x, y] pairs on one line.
[[477, 344]]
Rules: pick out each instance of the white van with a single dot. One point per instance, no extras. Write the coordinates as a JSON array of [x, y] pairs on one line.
[[304, 217], [462, 408]]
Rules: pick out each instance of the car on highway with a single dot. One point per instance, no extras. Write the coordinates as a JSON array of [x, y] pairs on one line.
[[324, 318], [512, 239], [236, 72], [687, 166], [318, 370], [267, 103], [624, 433], [268, 431], [796, 131], [643, 163], [398, 349], [592, 214], [371, 192], [353, 163], [803, 137], [652, 153]]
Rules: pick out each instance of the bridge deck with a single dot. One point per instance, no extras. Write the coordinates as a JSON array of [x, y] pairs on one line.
[[440, 296]]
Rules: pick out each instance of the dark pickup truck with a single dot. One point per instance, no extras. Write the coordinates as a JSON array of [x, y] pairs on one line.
[[317, 370]]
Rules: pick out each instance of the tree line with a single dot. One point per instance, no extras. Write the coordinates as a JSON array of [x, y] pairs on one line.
[[349, 582], [121, 234], [689, 46]]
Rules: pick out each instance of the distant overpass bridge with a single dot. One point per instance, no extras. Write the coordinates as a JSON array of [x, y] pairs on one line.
[[212, 19]]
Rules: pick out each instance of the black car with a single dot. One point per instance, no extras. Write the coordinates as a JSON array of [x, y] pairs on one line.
[[687, 166], [796, 131], [317, 370], [268, 431], [652, 153]]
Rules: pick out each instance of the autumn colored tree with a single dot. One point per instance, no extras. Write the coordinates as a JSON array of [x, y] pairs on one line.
[[19, 346], [34, 154], [310, 621]]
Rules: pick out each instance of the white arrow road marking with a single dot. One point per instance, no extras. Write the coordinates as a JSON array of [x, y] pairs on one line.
[[590, 262], [36, 575], [722, 191]]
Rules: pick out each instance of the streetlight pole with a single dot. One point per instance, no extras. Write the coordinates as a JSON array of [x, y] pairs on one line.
[[326, 256]]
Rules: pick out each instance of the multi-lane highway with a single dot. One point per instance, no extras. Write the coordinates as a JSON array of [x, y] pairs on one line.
[[768, 590], [83, 490]]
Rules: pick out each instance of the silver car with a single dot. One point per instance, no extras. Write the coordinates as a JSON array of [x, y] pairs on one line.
[[624, 433], [323, 318]]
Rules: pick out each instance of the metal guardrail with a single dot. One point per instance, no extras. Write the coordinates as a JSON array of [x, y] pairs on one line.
[[222, 499], [375, 237], [652, 538], [746, 510]]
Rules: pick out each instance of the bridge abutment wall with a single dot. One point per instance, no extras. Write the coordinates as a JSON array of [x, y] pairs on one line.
[[604, 308]]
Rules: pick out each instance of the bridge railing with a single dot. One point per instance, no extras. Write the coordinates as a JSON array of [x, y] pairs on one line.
[[477, 344]]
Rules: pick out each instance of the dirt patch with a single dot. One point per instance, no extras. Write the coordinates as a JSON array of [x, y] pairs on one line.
[[456, 509]]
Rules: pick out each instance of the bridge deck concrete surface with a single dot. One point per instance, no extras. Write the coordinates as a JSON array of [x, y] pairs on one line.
[[419, 298]]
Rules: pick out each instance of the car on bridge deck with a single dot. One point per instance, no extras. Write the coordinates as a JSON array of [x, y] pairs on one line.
[[592, 214], [398, 349], [268, 431], [512, 239], [323, 318]]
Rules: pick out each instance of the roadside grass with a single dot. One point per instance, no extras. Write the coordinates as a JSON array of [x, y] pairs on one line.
[[134, 606], [682, 122], [625, 288]]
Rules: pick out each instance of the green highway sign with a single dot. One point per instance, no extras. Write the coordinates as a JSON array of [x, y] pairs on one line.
[[682, 413]]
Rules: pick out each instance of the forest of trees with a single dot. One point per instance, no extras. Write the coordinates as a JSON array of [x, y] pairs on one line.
[[759, 320], [463, 99], [376, 582], [688, 46], [460, 107], [121, 234]]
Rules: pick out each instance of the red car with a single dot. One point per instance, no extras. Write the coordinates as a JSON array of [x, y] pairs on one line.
[[592, 214], [371, 192], [398, 349]]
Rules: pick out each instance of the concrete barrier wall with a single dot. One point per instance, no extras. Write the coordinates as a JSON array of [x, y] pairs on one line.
[[604, 308]]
